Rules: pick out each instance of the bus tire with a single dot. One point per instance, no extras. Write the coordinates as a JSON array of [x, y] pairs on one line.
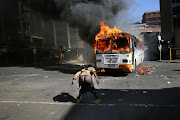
[[135, 66]]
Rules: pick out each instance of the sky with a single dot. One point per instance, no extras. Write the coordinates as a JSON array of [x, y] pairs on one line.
[[140, 7]]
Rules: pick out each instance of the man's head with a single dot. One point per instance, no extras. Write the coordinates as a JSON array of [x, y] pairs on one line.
[[91, 65]]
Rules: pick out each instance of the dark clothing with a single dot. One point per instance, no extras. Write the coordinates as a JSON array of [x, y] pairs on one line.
[[87, 88], [86, 85], [86, 82]]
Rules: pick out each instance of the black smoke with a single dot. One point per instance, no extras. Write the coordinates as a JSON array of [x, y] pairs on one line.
[[85, 15]]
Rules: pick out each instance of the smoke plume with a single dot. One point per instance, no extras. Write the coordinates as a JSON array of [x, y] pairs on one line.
[[86, 15]]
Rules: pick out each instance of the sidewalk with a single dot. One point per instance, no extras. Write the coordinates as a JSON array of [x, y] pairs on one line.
[[172, 61]]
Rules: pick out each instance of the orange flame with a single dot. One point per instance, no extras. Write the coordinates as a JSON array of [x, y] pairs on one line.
[[103, 40]]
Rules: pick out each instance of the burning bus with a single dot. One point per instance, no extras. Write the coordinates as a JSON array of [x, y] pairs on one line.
[[116, 49]]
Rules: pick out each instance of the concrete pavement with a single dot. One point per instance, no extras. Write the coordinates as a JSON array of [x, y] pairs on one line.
[[34, 93]]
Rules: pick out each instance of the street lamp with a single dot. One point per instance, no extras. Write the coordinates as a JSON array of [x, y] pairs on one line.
[[159, 38]]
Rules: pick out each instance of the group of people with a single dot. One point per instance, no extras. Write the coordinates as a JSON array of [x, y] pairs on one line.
[[86, 82]]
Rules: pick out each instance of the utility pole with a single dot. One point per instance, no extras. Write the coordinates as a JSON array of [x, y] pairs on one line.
[[160, 46], [68, 36], [54, 29], [159, 38]]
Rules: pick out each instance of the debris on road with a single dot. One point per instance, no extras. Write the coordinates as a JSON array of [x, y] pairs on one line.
[[124, 90], [102, 93], [120, 99], [163, 76], [52, 113], [46, 76], [169, 83], [153, 67], [144, 92], [144, 70], [137, 75]]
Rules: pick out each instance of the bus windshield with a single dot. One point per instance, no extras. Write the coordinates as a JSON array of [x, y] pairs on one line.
[[119, 45]]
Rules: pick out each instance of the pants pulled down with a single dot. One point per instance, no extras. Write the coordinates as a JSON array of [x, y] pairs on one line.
[[87, 85]]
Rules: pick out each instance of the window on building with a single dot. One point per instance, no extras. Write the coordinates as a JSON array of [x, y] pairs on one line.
[[159, 23], [151, 19], [176, 10], [159, 18], [38, 43], [176, 1], [178, 22], [151, 13], [152, 24]]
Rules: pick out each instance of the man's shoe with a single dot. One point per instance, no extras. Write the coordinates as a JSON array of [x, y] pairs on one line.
[[79, 100], [98, 101]]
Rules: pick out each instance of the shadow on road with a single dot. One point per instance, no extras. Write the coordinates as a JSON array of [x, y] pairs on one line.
[[65, 68], [72, 69], [64, 97], [130, 104]]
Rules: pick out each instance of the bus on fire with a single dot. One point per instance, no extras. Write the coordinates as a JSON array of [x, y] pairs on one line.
[[117, 50]]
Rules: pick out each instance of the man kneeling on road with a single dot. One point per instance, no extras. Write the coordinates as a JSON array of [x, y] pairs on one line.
[[86, 82]]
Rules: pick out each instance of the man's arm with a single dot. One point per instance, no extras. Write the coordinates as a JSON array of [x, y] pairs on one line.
[[75, 77], [96, 77], [93, 71]]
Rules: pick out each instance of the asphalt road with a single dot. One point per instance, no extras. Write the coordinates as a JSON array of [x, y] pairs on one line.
[[46, 93]]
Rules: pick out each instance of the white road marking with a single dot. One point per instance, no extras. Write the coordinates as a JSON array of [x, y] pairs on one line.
[[30, 75], [12, 80], [70, 103], [21, 77]]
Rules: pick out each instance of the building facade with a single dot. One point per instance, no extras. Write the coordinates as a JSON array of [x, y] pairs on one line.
[[170, 21], [21, 22], [152, 18]]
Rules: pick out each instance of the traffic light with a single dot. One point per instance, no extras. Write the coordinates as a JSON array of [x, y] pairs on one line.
[[169, 44], [60, 47]]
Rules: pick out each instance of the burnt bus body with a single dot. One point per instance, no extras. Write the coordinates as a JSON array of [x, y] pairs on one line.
[[124, 52]]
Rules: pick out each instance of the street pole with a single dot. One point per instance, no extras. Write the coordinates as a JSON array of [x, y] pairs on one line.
[[159, 38], [170, 55], [77, 57], [160, 46], [160, 49]]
